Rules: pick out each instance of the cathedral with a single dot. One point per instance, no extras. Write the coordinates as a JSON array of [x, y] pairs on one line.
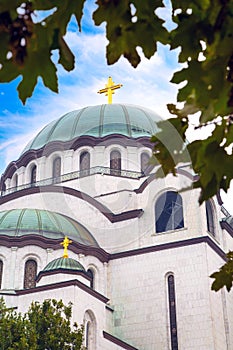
[[84, 218]]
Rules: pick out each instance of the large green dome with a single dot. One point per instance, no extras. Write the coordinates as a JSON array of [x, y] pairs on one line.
[[98, 121], [21, 222]]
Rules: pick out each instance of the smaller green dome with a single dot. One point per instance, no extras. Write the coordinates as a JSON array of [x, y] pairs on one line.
[[25, 222], [64, 264]]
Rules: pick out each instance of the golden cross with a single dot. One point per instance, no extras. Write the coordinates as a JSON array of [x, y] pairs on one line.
[[65, 244], [109, 89]]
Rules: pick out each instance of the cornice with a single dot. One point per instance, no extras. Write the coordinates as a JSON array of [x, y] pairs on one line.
[[127, 215], [74, 144], [61, 285], [60, 271], [49, 243], [152, 177], [118, 341], [100, 253], [224, 225], [171, 245]]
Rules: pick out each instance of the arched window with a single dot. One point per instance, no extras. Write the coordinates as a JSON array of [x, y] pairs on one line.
[[84, 164], [169, 212], [33, 175], [90, 273], [30, 272], [90, 330], [15, 181], [3, 187], [56, 169], [115, 163], [144, 161], [172, 311], [1, 273], [87, 335], [210, 217]]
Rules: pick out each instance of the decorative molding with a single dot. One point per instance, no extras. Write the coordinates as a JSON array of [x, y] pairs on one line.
[[49, 243], [219, 198], [62, 285], [224, 225], [100, 253], [171, 245], [152, 177], [118, 341], [60, 271], [74, 144], [127, 215]]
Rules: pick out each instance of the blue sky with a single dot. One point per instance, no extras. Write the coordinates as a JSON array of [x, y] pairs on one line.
[[148, 85]]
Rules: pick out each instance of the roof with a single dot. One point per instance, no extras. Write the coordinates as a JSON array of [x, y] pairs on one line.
[[98, 121], [21, 222], [64, 264]]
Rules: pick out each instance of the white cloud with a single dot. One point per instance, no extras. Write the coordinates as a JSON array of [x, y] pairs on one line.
[[148, 85]]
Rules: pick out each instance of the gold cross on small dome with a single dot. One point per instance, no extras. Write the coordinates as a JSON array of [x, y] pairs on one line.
[[65, 245], [109, 89]]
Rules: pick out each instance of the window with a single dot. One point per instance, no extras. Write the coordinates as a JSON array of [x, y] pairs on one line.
[[169, 212], [1, 273], [84, 165], [15, 181], [90, 330], [210, 217], [33, 175], [30, 272], [56, 169], [90, 273], [144, 161], [87, 335], [115, 163], [3, 187], [172, 312]]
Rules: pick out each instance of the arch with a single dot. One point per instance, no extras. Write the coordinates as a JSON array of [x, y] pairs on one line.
[[30, 272], [210, 217], [15, 181], [169, 212], [144, 161], [3, 187], [115, 163], [91, 274], [1, 273], [84, 163], [90, 330], [56, 169], [172, 311], [33, 174]]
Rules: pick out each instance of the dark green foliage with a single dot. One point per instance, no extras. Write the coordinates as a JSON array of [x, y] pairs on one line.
[[224, 276], [44, 326]]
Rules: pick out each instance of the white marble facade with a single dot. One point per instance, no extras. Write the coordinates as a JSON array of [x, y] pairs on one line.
[[130, 303]]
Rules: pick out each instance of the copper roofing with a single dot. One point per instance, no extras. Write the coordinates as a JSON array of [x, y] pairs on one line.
[[64, 264], [21, 222], [98, 121]]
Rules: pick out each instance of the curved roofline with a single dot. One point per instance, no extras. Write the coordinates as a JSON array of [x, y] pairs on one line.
[[61, 270], [44, 242], [131, 214], [41, 225], [75, 144], [98, 121]]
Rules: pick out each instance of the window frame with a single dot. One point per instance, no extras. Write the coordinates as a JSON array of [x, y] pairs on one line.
[[26, 273], [84, 163], [169, 214], [115, 162]]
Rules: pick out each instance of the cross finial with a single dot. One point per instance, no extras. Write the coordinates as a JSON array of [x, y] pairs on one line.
[[65, 245], [109, 89]]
